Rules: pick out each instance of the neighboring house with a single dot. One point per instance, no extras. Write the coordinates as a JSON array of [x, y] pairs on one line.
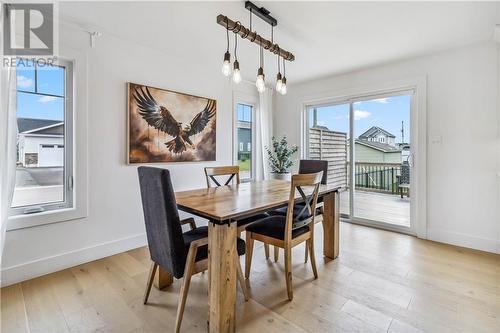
[[40, 142], [377, 134], [376, 145], [244, 139], [405, 151]]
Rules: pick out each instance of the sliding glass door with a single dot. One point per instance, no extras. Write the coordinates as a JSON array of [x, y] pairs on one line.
[[367, 142], [381, 160]]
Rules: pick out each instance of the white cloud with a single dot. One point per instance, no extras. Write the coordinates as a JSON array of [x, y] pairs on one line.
[[360, 114], [321, 123], [24, 82], [46, 99], [381, 100]]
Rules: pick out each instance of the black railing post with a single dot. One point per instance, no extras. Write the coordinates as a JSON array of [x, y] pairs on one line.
[[392, 180]]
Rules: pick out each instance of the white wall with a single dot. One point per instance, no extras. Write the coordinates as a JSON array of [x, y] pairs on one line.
[[462, 109], [498, 107], [115, 222]]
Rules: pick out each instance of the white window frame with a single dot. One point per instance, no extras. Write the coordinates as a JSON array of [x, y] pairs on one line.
[[68, 153], [253, 101], [75, 163]]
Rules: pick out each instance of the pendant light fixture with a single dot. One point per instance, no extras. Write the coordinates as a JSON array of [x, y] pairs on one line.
[[226, 65], [236, 65], [283, 81], [260, 82], [279, 82], [245, 33]]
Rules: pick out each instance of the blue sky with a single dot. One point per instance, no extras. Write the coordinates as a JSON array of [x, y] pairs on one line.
[[244, 112], [50, 81], [386, 113]]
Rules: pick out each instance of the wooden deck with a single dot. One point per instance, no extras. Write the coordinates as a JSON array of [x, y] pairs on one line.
[[388, 208]]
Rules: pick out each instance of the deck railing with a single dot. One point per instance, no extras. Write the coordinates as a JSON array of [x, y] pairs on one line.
[[381, 177], [332, 147]]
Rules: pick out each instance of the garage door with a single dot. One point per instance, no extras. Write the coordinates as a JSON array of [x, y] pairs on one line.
[[51, 155]]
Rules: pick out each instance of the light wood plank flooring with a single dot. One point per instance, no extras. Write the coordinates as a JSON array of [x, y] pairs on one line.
[[381, 282]]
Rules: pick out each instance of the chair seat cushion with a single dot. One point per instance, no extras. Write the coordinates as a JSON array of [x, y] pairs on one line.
[[296, 210], [251, 219], [274, 226], [202, 232]]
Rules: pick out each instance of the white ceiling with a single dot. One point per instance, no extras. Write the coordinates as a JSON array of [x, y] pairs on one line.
[[326, 37]]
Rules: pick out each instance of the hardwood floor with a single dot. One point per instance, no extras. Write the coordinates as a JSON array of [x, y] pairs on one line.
[[381, 282]]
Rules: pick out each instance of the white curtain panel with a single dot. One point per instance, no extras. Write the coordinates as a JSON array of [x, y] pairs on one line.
[[264, 132], [8, 139]]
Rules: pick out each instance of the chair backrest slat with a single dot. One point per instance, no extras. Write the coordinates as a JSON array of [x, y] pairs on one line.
[[233, 171], [163, 228], [313, 166], [299, 182], [305, 212]]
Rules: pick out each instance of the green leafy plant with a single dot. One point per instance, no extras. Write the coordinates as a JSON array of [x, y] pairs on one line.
[[280, 157]]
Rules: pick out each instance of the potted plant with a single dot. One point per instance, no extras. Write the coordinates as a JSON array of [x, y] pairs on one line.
[[280, 158]]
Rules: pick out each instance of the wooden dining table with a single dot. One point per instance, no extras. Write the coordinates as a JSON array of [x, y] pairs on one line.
[[222, 206]]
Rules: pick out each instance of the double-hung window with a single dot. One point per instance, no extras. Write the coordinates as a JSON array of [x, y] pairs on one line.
[[244, 136], [44, 172]]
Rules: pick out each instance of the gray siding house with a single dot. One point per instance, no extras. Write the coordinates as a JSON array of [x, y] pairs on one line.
[[376, 145]]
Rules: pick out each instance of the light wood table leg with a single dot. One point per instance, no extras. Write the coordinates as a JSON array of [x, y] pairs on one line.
[[164, 280], [331, 221], [222, 256]]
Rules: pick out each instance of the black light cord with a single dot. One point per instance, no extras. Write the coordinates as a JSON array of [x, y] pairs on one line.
[[261, 54], [227, 33], [250, 19], [235, 46]]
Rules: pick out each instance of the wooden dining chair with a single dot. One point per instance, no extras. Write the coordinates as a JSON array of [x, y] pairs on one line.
[[215, 175], [225, 175], [305, 167], [288, 231], [182, 254]]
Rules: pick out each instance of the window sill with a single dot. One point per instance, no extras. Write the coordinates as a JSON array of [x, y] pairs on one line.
[[37, 219]]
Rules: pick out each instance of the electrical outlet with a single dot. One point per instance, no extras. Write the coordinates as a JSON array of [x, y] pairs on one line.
[[436, 139]]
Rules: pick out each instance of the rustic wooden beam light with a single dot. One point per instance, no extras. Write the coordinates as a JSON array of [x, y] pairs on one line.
[[252, 36]]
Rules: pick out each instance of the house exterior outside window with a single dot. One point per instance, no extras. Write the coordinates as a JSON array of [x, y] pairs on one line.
[[244, 137]]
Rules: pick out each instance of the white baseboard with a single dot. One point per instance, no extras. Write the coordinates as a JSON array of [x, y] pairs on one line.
[[477, 243], [35, 268]]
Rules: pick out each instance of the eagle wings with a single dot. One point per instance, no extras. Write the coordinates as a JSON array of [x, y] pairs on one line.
[[160, 118]]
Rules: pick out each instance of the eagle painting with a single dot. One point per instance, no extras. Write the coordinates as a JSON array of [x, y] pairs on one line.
[[154, 124]]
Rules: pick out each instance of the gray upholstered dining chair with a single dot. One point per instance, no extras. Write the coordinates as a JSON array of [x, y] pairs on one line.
[[181, 254], [305, 167], [215, 176]]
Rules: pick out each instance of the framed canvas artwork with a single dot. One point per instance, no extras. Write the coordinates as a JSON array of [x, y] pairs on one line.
[[166, 126]]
